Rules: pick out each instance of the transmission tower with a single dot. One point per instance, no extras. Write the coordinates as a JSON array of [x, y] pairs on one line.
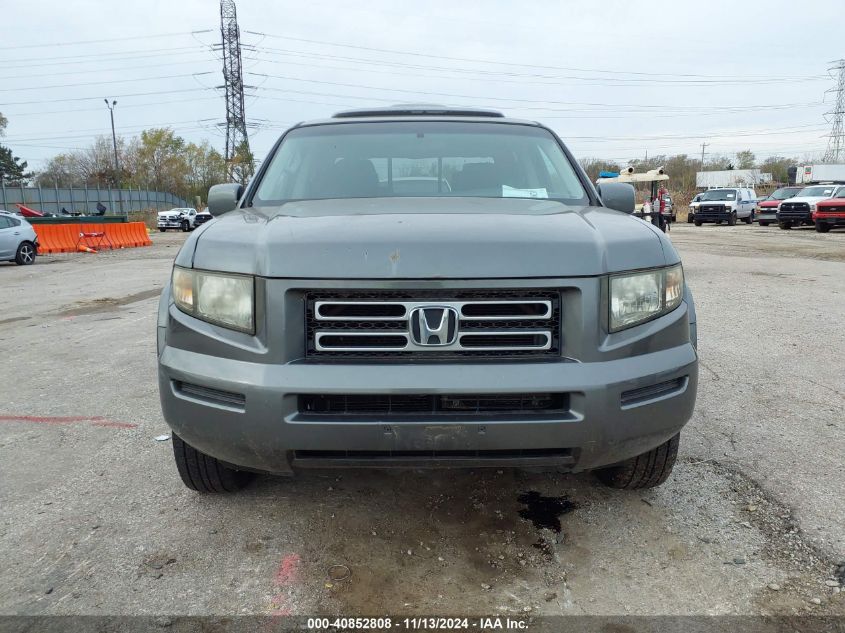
[[238, 156], [836, 143]]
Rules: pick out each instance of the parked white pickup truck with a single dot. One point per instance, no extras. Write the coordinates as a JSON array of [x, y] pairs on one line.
[[179, 218]]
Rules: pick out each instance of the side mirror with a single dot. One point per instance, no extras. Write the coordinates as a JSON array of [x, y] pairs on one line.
[[617, 195], [224, 198]]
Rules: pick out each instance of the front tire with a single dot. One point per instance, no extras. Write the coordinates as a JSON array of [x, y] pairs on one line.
[[185, 226], [785, 225], [162, 230], [25, 254], [732, 219], [204, 473], [749, 219], [763, 223], [698, 222], [822, 227], [643, 471]]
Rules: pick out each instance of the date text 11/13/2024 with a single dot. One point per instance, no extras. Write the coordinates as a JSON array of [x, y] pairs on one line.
[[417, 624]]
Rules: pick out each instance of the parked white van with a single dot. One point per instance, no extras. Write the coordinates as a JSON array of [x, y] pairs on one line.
[[726, 205]]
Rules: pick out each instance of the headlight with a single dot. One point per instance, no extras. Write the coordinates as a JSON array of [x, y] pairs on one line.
[[639, 297], [812, 207], [226, 300]]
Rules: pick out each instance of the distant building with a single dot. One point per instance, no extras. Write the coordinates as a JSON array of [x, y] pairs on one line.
[[731, 178]]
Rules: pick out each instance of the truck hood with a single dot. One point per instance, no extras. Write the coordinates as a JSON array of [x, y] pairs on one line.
[[425, 238], [169, 214], [808, 199]]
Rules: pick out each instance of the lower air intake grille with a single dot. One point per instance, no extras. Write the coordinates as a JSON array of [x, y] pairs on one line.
[[434, 404], [213, 396], [493, 455], [644, 394]]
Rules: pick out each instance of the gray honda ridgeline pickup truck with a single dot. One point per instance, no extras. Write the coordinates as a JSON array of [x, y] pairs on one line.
[[425, 287]]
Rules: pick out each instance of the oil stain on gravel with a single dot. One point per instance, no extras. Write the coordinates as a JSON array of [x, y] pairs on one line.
[[544, 512]]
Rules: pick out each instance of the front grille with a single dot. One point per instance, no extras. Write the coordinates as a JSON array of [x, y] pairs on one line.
[[433, 404], [714, 209], [832, 209], [794, 210], [367, 324]]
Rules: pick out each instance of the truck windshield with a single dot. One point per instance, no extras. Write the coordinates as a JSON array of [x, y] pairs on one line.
[[817, 192], [784, 193], [420, 159], [719, 194]]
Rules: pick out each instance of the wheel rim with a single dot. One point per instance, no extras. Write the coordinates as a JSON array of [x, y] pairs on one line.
[[27, 255]]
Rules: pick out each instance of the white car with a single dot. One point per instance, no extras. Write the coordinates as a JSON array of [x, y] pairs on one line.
[[799, 210], [726, 204], [18, 241], [178, 218]]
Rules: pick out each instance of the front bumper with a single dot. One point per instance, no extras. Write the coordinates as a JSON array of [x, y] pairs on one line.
[[170, 223], [802, 217], [266, 431], [833, 219], [766, 215]]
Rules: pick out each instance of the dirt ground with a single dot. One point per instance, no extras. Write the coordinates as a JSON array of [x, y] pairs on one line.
[[94, 520]]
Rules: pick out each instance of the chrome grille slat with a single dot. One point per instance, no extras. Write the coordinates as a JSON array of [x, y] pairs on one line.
[[410, 346], [494, 323], [320, 307]]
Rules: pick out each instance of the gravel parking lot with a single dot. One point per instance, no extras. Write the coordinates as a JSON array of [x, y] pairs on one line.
[[94, 520]]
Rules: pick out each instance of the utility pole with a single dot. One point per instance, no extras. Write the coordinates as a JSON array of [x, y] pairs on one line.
[[836, 142], [110, 106], [703, 145], [115, 182], [237, 141]]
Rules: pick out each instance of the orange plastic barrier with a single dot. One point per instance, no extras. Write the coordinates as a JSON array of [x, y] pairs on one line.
[[64, 238]]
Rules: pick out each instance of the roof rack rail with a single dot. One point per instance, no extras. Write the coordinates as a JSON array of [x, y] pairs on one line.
[[414, 109]]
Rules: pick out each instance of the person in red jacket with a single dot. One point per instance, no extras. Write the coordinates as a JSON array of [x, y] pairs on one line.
[[661, 200]]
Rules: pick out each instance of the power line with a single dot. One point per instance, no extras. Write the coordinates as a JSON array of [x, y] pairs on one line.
[[530, 77], [501, 63], [95, 57], [798, 129], [86, 133], [533, 101], [130, 94], [145, 104], [628, 114], [111, 39], [103, 83], [101, 70]]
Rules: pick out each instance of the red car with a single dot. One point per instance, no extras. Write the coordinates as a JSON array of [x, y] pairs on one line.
[[830, 213], [767, 208]]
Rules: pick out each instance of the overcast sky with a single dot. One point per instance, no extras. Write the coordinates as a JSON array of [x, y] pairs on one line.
[[614, 79]]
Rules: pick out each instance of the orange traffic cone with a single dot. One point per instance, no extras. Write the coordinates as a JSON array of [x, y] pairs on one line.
[[84, 249]]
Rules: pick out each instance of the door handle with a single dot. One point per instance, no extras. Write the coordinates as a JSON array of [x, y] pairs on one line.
[[17, 233]]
